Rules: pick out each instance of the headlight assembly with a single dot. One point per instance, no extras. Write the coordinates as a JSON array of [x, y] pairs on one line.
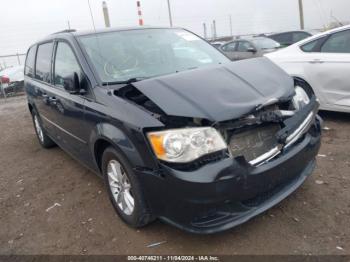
[[186, 144], [300, 99]]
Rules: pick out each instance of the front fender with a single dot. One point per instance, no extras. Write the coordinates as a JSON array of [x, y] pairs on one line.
[[131, 143], [297, 70]]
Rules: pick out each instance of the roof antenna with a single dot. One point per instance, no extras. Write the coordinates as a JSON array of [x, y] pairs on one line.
[[336, 19], [96, 35], [92, 17]]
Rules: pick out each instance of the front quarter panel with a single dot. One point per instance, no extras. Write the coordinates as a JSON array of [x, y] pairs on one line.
[[120, 123], [297, 64]]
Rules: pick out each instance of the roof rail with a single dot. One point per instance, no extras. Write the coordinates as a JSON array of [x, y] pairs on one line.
[[65, 31]]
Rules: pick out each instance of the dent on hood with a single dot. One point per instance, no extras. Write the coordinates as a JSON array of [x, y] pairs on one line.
[[219, 93], [216, 93]]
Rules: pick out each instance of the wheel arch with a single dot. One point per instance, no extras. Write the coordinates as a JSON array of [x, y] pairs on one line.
[[30, 107], [318, 94], [298, 78], [106, 135], [302, 80], [99, 147]]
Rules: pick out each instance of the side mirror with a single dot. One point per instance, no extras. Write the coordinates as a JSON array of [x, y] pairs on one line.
[[252, 50], [71, 83]]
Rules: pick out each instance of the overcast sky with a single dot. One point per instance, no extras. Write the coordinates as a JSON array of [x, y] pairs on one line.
[[24, 21]]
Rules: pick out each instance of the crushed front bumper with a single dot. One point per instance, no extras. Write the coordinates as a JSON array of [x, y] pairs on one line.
[[229, 192]]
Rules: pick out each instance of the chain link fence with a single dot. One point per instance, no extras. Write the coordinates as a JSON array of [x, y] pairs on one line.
[[11, 60]]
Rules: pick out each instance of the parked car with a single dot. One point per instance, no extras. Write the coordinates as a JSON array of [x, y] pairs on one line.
[[321, 65], [204, 145], [288, 38], [249, 48], [11, 80]]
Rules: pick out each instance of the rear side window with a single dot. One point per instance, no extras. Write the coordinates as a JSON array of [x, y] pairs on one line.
[[337, 43], [282, 38], [298, 36], [43, 62], [30, 60], [65, 64], [313, 46], [309, 47]]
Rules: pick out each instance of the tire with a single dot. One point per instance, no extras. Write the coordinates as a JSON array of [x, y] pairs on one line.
[[307, 88], [44, 140], [139, 215]]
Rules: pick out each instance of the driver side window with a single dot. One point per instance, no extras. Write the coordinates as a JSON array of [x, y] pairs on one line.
[[244, 46], [231, 47], [65, 64]]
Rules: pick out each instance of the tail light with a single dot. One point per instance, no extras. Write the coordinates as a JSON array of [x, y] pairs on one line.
[[5, 80]]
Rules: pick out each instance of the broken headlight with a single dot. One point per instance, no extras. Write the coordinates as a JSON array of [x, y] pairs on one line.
[[186, 144], [300, 98]]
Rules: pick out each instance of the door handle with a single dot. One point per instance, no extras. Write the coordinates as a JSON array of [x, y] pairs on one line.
[[44, 95], [316, 61]]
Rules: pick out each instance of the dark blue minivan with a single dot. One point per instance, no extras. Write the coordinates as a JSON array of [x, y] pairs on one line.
[[176, 130]]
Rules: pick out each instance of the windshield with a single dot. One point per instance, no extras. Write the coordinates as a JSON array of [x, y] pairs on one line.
[[266, 43], [135, 54]]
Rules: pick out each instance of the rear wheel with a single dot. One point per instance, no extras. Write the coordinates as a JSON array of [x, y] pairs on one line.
[[44, 140], [124, 189]]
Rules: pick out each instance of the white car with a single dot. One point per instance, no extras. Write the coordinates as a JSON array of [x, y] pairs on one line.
[[321, 65], [11, 80]]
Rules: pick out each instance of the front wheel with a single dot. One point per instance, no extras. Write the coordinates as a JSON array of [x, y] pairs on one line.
[[124, 189], [307, 88]]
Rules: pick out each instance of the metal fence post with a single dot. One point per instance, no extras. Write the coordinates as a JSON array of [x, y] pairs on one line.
[[3, 90], [3, 63], [19, 60]]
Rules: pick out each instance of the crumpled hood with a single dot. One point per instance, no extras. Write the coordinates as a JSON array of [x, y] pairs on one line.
[[219, 93]]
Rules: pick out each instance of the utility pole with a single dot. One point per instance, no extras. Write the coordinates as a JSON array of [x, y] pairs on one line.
[[214, 29], [204, 30], [106, 14], [68, 24], [231, 31], [139, 12], [301, 14], [170, 16]]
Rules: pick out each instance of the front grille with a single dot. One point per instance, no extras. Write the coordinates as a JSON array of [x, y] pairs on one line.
[[254, 142]]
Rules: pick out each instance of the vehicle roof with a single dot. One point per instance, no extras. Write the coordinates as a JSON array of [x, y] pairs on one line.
[[336, 29], [74, 33], [311, 38], [286, 32], [250, 38]]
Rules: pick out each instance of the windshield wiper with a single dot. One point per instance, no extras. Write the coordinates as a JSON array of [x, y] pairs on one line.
[[128, 81]]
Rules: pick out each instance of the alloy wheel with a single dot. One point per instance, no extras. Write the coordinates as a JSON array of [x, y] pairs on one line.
[[38, 129], [120, 187]]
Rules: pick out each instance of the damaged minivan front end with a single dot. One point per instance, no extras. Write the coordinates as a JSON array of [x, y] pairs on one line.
[[176, 130], [235, 140]]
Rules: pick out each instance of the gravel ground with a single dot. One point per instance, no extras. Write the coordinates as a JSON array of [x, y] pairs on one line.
[[49, 204]]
